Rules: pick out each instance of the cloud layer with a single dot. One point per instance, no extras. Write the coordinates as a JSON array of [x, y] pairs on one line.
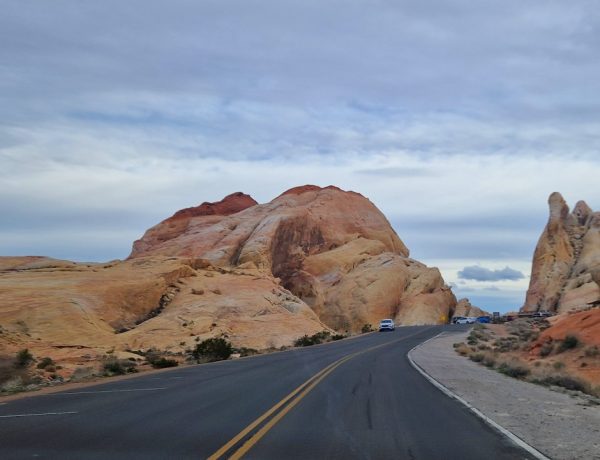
[[457, 119]]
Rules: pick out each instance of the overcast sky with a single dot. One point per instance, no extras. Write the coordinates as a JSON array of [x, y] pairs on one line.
[[456, 118]]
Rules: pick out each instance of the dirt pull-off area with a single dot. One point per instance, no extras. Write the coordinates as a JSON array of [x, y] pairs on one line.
[[560, 425]]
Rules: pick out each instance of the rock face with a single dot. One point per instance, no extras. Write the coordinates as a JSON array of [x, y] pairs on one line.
[[565, 273], [260, 275], [333, 249], [465, 309]]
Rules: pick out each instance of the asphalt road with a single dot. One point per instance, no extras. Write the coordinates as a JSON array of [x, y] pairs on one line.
[[364, 401]]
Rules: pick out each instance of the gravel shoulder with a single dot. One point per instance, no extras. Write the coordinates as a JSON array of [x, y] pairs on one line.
[[561, 426]]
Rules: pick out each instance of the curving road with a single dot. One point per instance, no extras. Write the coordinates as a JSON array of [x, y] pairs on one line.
[[358, 398]]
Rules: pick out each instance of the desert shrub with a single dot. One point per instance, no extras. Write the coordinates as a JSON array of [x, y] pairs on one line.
[[546, 348], [592, 352], [366, 328], [338, 336], [477, 357], [44, 363], [163, 362], [23, 358], [558, 365], [158, 361], [315, 339], [489, 360], [506, 344], [113, 366], [570, 342], [565, 381], [515, 370], [462, 348], [210, 350]]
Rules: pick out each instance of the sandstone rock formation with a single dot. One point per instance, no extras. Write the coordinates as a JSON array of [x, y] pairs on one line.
[[260, 275], [333, 249], [465, 309], [565, 273]]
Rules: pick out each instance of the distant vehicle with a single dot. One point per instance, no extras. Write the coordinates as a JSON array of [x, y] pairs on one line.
[[386, 325], [484, 319], [456, 319], [465, 320], [542, 314]]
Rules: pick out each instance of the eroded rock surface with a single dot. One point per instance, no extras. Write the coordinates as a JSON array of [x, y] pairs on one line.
[[465, 309], [566, 264], [260, 275], [333, 249]]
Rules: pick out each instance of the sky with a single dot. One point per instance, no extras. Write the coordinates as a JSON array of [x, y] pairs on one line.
[[456, 118]]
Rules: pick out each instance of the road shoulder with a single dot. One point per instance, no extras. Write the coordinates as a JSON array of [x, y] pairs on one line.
[[558, 425]]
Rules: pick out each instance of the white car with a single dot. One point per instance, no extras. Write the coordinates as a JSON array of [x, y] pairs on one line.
[[470, 320], [387, 325]]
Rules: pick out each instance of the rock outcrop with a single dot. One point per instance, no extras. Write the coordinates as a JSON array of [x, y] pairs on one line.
[[333, 249], [565, 273], [465, 309], [260, 275]]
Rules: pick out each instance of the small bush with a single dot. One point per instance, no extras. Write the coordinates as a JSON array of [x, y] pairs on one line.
[[210, 350], [163, 362], [462, 348], [366, 328], [558, 365], [113, 366], [44, 363], [315, 339], [513, 370], [489, 360], [23, 358], [570, 342], [592, 352], [338, 337], [565, 381], [477, 357]]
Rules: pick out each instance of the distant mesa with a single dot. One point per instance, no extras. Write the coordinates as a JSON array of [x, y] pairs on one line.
[[565, 273]]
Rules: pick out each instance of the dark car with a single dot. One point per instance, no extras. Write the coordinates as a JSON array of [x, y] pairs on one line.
[[484, 319]]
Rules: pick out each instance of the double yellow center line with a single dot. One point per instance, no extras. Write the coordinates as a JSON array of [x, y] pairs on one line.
[[284, 406]]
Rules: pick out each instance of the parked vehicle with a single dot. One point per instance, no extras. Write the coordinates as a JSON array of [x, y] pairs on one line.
[[456, 319], [386, 325], [484, 319]]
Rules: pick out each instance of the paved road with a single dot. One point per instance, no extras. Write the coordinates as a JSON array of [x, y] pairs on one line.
[[364, 401]]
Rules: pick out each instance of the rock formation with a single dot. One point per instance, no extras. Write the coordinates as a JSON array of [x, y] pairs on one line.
[[260, 275], [333, 249], [465, 309], [565, 273]]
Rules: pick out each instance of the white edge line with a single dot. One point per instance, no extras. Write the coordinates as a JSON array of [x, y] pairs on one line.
[[37, 415], [510, 435], [105, 391]]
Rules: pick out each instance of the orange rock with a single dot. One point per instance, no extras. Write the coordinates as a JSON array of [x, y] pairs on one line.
[[464, 308], [566, 263], [260, 275]]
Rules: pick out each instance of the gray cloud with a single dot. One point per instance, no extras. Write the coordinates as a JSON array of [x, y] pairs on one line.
[[478, 273], [457, 119]]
